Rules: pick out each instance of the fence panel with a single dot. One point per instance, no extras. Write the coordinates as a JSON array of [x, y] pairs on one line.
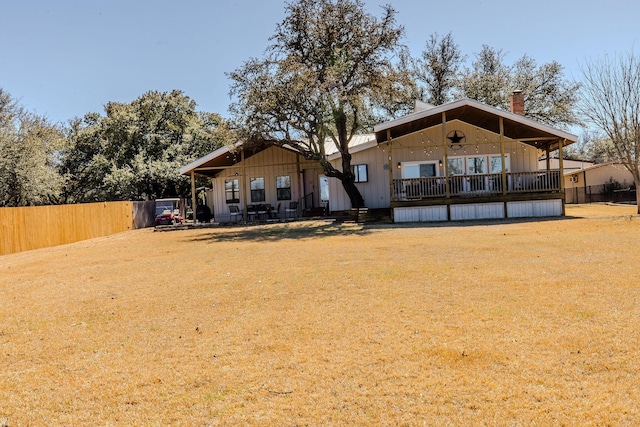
[[34, 227], [599, 193], [144, 214]]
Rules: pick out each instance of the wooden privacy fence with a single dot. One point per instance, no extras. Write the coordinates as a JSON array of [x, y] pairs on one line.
[[34, 227]]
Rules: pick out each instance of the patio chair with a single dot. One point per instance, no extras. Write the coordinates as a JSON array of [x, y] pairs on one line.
[[292, 210], [234, 213], [252, 212], [275, 214], [262, 212]]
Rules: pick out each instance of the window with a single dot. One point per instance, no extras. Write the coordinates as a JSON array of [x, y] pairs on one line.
[[496, 164], [232, 191], [476, 165], [419, 170], [257, 189], [283, 187], [455, 165], [360, 172]]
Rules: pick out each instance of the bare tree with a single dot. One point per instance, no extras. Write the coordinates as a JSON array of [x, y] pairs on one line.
[[437, 68], [611, 102], [487, 80], [326, 74], [549, 97], [593, 145]]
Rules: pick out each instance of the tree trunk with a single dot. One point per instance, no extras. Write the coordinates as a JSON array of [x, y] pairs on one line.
[[354, 194], [636, 182]]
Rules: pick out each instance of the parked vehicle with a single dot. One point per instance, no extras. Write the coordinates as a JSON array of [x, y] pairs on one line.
[[168, 212]]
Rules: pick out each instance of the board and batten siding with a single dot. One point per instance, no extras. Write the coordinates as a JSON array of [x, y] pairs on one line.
[[599, 175], [375, 191], [476, 211], [535, 208], [267, 164], [427, 146], [420, 214]]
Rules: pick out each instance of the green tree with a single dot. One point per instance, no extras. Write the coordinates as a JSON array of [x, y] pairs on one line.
[[28, 149], [610, 102], [136, 150], [327, 76]]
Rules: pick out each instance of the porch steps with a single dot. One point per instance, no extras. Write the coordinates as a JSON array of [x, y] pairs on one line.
[[362, 215], [313, 212]]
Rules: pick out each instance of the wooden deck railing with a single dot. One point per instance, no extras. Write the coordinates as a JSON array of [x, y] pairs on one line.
[[476, 184]]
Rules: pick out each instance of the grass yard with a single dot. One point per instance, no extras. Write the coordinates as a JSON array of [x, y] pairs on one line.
[[310, 324]]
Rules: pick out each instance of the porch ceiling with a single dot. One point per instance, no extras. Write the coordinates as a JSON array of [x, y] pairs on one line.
[[477, 114]]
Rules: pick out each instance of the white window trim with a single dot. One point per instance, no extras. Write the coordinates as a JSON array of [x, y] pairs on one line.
[[420, 162], [486, 156]]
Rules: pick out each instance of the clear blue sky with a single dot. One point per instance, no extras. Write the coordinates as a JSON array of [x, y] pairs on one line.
[[64, 58]]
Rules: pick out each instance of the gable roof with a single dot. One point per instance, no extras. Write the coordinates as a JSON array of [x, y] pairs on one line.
[[357, 143], [229, 155], [224, 157], [476, 113]]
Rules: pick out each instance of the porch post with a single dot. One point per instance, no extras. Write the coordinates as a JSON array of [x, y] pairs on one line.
[[193, 195], [548, 159], [445, 163], [244, 184], [502, 157], [300, 179], [561, 177], [391, 186], [504, 168]]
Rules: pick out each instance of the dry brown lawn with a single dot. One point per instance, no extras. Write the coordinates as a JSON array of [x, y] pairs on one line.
[[492, 323]]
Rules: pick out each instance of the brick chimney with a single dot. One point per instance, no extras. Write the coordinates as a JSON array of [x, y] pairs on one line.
[[517, 102]]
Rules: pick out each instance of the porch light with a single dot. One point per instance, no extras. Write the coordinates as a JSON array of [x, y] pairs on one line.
[[399, 165], [440, 164]]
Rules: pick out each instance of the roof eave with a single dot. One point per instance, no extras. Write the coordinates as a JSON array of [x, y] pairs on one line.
[[186, 170], [480, 106]]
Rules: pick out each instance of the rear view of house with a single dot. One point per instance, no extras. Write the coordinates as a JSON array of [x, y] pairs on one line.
[[461, 160], [457, 161]]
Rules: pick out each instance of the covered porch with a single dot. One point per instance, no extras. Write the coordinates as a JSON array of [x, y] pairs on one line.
[[480, 184], [467, 160]]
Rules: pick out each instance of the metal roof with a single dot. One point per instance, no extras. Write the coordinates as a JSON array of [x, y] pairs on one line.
[[229, 155], [221, 158]]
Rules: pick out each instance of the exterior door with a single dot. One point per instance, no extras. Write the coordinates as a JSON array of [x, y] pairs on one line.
[[324, 194], [311, 194]]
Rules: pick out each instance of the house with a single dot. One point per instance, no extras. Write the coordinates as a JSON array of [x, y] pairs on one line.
[[603, 182], [243, 175], [457, 161], [569, 164]]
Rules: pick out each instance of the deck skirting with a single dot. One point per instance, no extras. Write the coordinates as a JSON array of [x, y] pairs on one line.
[[475, 211]]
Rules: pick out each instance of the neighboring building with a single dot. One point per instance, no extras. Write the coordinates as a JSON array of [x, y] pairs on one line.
[[603, 182], [570, 165], [461, 160]]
